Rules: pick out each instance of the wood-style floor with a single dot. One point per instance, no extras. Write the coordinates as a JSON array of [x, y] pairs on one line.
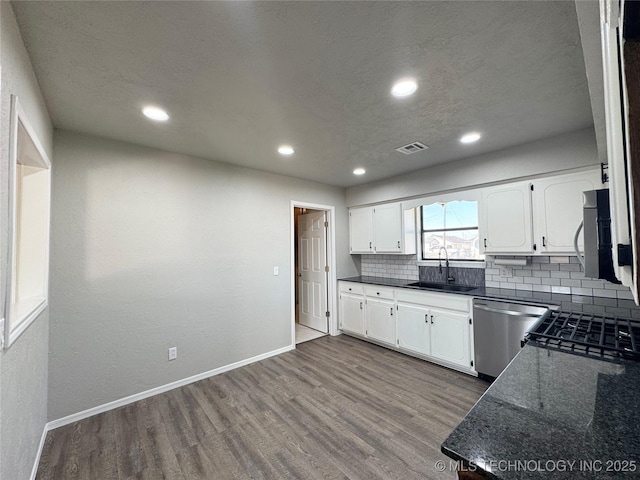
[[335, 408]]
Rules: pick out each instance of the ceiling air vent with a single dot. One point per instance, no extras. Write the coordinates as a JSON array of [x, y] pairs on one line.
[[412, 148]]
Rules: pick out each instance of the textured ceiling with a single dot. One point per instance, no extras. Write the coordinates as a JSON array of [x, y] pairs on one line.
[[240, 78]]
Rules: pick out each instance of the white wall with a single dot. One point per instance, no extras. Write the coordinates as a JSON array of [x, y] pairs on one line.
[[23, 367], [151, 250], [573, 150]]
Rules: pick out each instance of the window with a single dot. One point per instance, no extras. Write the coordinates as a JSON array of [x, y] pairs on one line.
[[29, 193], [452, 226]]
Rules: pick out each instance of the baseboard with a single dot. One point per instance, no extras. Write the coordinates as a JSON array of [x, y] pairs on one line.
[[34, 471], [161, 389]]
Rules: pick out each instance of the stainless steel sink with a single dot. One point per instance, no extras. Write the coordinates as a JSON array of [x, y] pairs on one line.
[[447, 287]]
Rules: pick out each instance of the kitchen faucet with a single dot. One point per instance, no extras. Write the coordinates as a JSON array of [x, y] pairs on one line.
[[446, 263]]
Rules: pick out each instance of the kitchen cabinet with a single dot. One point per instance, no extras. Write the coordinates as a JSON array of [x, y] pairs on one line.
[[352, 308], [538, 217], [431, 325], [380, 321], [557, 209], [505, 219], [413, 328], [361, 230], [382, 229], [450, 340], [436, 325]]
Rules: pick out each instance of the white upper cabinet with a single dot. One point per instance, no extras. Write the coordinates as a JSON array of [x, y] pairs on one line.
[[539, 217], [557, 209], [387, 228], [505, 219], [361, 230], [382, 229]]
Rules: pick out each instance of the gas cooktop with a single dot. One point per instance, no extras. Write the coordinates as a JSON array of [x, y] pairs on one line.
[[607, 337]]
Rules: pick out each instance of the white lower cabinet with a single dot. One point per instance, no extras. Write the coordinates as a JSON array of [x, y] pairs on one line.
[[380, 320], [352, 313], [434, 326], [450, 337], [352, 308], [413, 328]]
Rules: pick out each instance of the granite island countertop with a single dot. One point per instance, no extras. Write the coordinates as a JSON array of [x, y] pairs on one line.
[[556, 415]]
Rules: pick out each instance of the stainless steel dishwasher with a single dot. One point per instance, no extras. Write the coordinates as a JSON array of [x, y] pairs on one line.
[[498, 332]]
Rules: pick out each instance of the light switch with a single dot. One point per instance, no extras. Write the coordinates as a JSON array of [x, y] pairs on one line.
[[276, 270]]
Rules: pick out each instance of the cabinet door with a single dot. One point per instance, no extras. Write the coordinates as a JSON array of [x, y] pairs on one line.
[[557, 207], [413, 328], [387, 228], [381, 321], [450, 337], [352, 313], [361, 230], [505, 219]]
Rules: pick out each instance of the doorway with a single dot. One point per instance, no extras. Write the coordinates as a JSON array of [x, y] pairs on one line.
[[312, 272]]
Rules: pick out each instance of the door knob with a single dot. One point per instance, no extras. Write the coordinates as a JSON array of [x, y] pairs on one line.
[[301, 275]]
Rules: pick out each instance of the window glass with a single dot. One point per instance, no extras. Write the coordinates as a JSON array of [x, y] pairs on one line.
[[453, 226]]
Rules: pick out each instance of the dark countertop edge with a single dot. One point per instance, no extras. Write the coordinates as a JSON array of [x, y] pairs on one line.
[[463, 461], [542, 298]]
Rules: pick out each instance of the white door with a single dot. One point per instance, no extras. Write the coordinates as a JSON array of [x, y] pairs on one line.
[[387, 228], [413, 328], [450, 337], [312, 276]]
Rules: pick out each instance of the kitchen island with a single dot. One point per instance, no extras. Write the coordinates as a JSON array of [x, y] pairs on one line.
[[552, 414]]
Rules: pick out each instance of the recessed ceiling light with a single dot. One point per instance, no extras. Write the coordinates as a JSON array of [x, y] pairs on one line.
[[155, 113], [359, 171], [285, 150], [404, 88], [470, 137]]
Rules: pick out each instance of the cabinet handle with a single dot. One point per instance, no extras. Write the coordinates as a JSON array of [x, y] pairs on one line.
[[369, 245], [426, 318], [432, 319], [544, 244], [398, 244], [535, 247], [485, 243], [391, 311], [360, 305]]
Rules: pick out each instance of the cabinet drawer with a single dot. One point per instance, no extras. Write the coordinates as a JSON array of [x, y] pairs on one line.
[[379, 292], [447, 301], [355, 288]]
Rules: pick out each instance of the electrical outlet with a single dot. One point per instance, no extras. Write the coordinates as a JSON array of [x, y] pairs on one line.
[[173, 353], [276, 270], [506, 272]]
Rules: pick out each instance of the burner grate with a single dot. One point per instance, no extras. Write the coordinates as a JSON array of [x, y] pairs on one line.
[[589, 334]]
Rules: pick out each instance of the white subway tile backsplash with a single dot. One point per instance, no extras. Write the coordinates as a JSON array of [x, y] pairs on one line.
[[542, 273], [550, 266], [556, 274], [558, 259]]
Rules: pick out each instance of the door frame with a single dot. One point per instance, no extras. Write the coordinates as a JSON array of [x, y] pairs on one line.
[[332, 279]]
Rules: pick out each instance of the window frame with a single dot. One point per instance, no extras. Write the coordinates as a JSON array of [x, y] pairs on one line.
[[466, 263], [19, 316]]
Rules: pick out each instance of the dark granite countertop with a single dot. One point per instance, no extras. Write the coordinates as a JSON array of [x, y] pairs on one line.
[[565, 301], [548, 409]]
